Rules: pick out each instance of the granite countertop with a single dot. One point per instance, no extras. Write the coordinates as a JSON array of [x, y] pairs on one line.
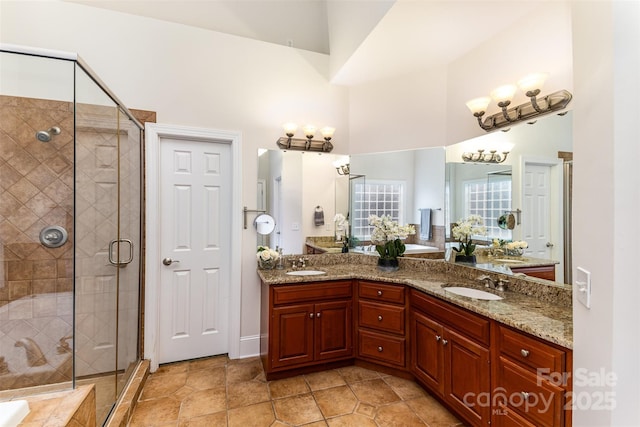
[[542, 310]]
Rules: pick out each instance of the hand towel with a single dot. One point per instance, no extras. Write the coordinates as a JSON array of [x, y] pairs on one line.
[[425, 224], [318, 216]]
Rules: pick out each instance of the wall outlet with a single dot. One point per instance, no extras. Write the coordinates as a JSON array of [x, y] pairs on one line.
[[583, 286]]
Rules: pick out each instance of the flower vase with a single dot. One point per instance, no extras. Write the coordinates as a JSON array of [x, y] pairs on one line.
[[515, 252], [388, 265], [471, 259], [268, 264]]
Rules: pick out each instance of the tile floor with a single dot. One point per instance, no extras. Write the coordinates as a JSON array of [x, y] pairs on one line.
[[217, 391]]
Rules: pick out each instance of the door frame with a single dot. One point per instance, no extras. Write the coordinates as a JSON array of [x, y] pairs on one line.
[[555, 198], [153, 134]]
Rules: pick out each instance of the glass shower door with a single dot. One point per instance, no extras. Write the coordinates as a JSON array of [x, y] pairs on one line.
[[128, 244], [108, 221]]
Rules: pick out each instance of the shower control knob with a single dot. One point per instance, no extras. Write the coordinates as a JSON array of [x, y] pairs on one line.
[[169, 261]]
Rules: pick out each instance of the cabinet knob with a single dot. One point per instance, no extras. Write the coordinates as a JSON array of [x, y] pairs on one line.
[[524, 353], [380, 349], [438, 337], [445, 342], [318, 314], [380, 318], [311, 315], [525, 395], [379, 293]]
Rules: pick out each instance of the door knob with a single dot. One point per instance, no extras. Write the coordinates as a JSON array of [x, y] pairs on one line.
[[549, 244], [169, 261]]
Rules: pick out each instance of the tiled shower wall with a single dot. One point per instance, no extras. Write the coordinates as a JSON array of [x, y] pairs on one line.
[[36, 190]]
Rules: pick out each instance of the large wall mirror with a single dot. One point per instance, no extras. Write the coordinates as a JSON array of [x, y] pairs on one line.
[[407, 185], [535, 179], [303, 192]]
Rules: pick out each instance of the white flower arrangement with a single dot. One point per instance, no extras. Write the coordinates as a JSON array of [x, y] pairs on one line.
[[387, 235], [267, 257], [520, 244], [473, 225]]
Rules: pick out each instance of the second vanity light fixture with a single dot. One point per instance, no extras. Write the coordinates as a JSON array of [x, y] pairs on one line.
[[307, 144], [531, 85], [481, 157]]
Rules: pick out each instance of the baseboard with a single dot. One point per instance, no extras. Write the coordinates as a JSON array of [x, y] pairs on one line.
[[249, 346]]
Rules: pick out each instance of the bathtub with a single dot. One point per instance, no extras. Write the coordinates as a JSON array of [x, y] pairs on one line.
[[412, 248], [44, 318]]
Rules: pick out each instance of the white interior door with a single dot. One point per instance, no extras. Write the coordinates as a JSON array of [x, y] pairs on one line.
[[536, 212], [195, 218]]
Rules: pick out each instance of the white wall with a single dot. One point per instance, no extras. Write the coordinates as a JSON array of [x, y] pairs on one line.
[[398, 113], [193, 77], [606, 203], [541, 41]]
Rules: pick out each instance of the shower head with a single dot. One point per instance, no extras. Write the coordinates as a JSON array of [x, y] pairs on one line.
[[45, 135]]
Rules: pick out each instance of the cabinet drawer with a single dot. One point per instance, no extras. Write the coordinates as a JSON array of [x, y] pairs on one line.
[[381, 292], [287, 294], [383, 317], [471, 325], [508, 418], [530, 352], [537, 400], [383, 348]]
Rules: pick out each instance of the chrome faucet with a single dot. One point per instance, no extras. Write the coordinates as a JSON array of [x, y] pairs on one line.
[[302, 262], [35, 357], [63, 345], [499, 285]]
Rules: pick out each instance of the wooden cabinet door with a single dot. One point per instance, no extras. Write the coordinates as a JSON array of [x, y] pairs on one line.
[[427, 361], [467, 383], [333, 330], [292, 340]]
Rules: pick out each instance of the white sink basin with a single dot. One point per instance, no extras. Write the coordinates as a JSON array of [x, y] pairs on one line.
[[306, 273], [473, 293], [510, 261]]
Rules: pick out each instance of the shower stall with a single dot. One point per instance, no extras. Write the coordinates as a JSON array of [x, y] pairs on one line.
[[70, 229]]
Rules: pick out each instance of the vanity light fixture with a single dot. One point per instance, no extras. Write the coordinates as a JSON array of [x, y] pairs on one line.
[[481, 157], [531, 85], [343, 169], [307, 144]]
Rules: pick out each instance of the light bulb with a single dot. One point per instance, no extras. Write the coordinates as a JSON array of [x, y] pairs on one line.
[[532, 82], [290, 129], [309, 131], [479, 105], [503, 93], [327, 132]]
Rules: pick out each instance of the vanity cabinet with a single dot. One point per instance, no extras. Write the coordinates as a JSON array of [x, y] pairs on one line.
[[450, 355], [532, 375], [547, 272], [307, 325], [381, 326]]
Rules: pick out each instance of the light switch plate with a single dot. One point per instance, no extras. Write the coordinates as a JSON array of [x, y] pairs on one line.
[[583, 286], [295, 226]]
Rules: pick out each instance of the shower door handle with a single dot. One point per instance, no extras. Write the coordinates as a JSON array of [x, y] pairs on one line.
[[117, 262]]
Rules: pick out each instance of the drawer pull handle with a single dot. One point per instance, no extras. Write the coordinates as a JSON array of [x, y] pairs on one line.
[[379, 293], [445, 342], [380, 349], [525, 395], [310, 315], [380, 318], [318, 314], [438, 337], [524, 353]]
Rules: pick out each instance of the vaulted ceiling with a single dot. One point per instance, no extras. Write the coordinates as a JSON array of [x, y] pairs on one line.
[[366, 39]]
